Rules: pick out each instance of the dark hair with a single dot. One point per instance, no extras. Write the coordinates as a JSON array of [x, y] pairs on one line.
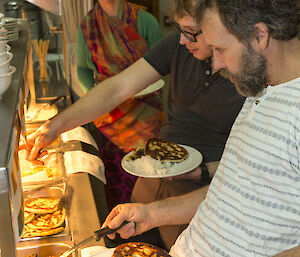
[[183, 8], [239, 16]]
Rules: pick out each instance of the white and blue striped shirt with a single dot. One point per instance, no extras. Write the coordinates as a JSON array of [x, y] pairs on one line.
[[253, 204]]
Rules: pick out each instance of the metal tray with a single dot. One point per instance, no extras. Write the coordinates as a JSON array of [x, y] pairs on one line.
[[52, 191], [55, 191], [43, 250], [40, 112], [53, 161]]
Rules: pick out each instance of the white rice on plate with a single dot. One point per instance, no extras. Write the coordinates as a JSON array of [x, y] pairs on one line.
[[149, 166]]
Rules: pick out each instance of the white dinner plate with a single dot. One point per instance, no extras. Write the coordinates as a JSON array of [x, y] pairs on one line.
[[97, 251], [193, 161], [152, 88]]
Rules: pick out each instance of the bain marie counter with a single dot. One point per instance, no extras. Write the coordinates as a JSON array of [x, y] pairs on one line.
[[85, 214]]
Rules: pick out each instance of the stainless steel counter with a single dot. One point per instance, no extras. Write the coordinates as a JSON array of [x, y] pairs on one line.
[[83, 218], [10, 100], [10, 186]]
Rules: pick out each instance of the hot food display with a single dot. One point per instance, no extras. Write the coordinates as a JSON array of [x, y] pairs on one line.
[[43, 217]]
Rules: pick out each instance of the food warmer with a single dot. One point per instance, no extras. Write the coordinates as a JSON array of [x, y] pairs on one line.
[[83, 216]]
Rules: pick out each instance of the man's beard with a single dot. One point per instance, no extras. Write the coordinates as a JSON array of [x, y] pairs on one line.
[[251, 80]]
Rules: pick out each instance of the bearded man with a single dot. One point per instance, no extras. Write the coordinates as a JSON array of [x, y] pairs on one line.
[[252, 207]]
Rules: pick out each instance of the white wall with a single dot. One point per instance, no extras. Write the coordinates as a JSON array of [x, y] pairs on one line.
[[164, 7]]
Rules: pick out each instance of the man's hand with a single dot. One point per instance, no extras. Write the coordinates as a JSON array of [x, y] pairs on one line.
[[137, 213], [39, 139]]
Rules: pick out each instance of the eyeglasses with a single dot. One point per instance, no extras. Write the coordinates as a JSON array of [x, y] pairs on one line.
[[190, 36]]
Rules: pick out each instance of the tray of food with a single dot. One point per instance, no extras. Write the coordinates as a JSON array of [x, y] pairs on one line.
[[50, 168], [40, 112], [43, 214]]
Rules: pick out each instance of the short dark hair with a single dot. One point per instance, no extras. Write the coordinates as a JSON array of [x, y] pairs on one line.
[[239, 16]]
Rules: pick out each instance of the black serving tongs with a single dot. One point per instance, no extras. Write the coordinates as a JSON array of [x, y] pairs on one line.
[[52, 100], [72, 145], [97, 236]]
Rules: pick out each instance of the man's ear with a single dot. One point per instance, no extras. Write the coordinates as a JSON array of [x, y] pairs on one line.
[[262, 35]]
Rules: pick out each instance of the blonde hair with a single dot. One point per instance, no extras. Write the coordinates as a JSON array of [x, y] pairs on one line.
[[182, 8]]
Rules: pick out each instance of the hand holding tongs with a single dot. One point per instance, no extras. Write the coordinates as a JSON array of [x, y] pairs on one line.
[[98, 234]]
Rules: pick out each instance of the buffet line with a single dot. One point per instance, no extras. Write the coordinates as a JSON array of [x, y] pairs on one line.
[[44, 209]]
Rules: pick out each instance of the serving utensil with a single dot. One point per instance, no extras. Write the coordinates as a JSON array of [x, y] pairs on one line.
[[72, 145], [98, 234], [29, 193]]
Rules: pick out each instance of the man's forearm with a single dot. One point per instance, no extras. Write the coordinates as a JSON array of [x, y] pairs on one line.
[[106, 96], [176, 210], [290, 253], [94, 104]]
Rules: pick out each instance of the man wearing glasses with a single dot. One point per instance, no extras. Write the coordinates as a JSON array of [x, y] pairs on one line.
[[202, 106], [190, 36]]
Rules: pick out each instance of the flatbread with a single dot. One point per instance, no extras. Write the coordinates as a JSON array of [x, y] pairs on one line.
[[139, 249], [28, 217], [41, 205], [163, 150], [29, 232], [49, 220], [50, 171]]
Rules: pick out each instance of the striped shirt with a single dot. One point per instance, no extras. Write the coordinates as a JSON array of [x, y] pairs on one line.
[[253, 204]]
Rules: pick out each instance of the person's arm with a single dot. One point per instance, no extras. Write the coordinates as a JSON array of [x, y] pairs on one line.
[[98, 101], [290, 253], [84, 72], [171, 211], [148, 27], [196, 174]]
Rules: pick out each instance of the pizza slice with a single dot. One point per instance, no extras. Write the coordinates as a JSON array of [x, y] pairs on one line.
[[41, 205], [29, 232], [163, 150], [49, 220], [139, 249], [28, 217]]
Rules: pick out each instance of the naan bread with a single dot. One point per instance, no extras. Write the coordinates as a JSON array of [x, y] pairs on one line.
[[49, 220], [164, 150], [41, 205]]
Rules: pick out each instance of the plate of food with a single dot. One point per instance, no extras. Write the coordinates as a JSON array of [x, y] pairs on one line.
[[152, 88], [126, 249], [160, 159]]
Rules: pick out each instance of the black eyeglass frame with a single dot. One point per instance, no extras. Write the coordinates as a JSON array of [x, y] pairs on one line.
[[190, 36]]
